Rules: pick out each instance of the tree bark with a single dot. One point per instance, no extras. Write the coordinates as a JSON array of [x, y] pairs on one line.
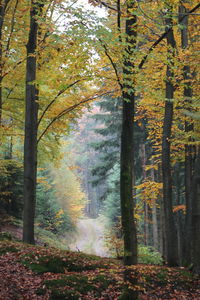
[[127, 153], [146, 206], [154, 218], [188, 148], [31, 119], [170, 231], [127, 145], [3, 5], [196, 215]]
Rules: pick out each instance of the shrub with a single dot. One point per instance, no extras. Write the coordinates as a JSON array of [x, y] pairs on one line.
[[148, 255]]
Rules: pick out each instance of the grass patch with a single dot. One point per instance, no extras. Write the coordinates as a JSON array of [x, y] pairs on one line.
[[5, 236], [72, 286], [9, 246], [58, 261], [8, 249]]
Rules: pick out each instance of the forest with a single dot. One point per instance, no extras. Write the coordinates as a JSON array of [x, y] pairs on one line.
[[100, 149]]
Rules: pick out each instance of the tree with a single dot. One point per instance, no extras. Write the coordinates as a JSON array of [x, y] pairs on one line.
[[196, 215], [31, 123], [3, 5], [11, 180], [107, 143], [170, 230], [189, 149], [50, 214], [127, 144]]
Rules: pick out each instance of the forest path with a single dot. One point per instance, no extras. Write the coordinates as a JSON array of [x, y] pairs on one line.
[[89, 238]]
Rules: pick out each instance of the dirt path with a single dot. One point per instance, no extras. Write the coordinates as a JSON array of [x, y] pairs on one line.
[[89, 238]]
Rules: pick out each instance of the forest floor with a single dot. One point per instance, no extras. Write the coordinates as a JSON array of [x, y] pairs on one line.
[[35, 272]]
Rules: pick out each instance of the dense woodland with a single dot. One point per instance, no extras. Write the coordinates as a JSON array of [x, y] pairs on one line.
[[99, 116]]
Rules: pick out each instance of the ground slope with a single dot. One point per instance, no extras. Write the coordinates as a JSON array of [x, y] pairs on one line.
[[33, 272]]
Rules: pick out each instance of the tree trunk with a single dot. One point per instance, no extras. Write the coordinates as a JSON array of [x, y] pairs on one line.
[[146, 206], [178, 215], [154, 219], [188, 148], [170, 231], [31, 119], [3, 5], [127, 145], [127, 154], [196, 215]]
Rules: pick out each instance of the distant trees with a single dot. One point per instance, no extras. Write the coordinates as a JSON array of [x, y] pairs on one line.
[[107, 144], [11, 187], [50, 214]]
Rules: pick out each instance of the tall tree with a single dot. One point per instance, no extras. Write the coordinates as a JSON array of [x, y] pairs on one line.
[[196, 215], [170, 231], [3, 5], [31, 120], [127, 144], [188, 148]]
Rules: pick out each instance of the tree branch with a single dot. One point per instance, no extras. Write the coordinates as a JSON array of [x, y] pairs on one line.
[[163, 36], [112, 63], [69, 109], [12, 25], [105, 4], [55, 98]]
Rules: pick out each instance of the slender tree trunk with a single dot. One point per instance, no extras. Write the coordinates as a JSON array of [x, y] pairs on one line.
[[154, 218], [178, 214], [3, 5], [196, 215], [146, 206], [170, 231], [188, 148], [127, 145], [31, 119]]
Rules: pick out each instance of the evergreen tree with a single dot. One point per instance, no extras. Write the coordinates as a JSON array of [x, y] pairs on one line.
[[49, 213], [108, 146], [11, 178]]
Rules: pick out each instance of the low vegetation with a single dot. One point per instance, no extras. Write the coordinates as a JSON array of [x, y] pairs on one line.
[[36, 272]]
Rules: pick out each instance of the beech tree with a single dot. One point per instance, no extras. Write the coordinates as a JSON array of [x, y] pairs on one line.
[[196, 215], [3, 6], [127, 144], [31, 121], [170, 238], [189, 149]]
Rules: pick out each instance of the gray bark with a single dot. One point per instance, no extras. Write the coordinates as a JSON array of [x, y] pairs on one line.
[[188, 148], [170, 230], [31, 119], [154, 219], [127, 153], [196, 215], [127, 147], [3, 5]]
